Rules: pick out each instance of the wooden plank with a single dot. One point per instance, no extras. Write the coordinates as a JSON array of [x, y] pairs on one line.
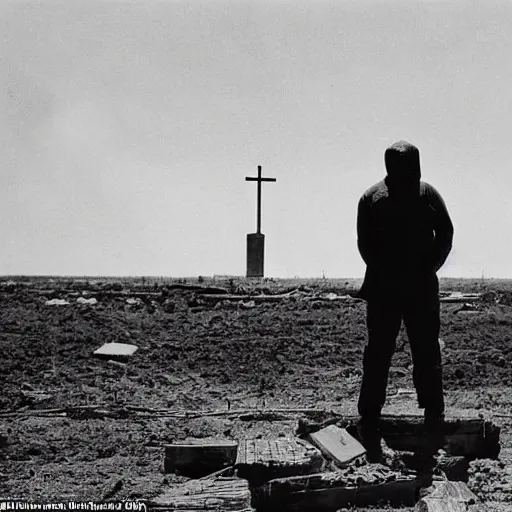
[[259, 460], [226, 494], [337, 445], [199, 458]]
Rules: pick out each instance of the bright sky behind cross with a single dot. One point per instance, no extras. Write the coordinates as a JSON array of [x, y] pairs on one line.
[[127, 130]]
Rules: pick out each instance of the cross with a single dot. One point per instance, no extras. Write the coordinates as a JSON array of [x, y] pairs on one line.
[[259, 179]]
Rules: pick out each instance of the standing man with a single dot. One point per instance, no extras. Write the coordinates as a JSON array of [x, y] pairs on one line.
[[404, 235]]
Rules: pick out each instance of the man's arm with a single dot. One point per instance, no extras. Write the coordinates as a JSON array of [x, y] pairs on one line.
[[443, 231], [364, 231]]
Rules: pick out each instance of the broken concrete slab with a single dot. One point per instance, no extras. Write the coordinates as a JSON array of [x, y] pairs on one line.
[[199, 457], [115, 351], [337, 445], [226, 494], [260, 460]]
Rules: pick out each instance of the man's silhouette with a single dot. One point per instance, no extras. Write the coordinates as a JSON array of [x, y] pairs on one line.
[[404, 236]]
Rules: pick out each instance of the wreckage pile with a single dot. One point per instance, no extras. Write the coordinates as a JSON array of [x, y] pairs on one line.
[[324, 468]]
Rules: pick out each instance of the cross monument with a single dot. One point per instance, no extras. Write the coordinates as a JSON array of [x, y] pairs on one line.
[[256, 241]]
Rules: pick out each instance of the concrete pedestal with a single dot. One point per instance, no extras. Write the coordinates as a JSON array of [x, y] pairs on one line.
[[255, 254]]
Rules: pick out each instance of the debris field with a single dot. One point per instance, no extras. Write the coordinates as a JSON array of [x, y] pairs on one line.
[[240, 395]]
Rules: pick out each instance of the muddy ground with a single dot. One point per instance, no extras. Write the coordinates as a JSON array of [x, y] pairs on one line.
[[199, 355]]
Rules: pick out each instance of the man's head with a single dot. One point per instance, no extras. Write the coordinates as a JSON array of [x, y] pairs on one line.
[[403, 163]]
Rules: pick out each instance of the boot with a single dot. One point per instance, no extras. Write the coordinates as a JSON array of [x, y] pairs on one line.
[[434, 431], [370, 436]]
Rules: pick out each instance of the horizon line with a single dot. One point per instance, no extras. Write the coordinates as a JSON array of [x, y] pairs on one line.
[[220, 276]]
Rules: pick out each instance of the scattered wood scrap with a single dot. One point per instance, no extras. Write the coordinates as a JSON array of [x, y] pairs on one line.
[[226, 494], [337, 445], [199, 458]]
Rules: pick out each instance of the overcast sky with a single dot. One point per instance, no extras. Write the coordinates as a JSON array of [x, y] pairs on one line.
[[127, 130]]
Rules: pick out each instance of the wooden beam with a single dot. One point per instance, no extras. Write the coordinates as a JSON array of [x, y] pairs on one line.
[[469, 437]]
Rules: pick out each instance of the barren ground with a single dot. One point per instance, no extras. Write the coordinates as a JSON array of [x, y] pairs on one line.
[[199, 357]]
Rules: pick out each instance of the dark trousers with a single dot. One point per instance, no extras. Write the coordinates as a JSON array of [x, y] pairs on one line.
[[422, 322]]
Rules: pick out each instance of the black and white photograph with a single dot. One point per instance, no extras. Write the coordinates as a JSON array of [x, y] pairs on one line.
[[256, 255]]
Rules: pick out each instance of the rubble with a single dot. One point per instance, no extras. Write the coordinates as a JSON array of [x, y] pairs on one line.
[[292, 474]]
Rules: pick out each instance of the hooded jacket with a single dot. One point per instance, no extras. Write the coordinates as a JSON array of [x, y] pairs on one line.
[[404, 231]]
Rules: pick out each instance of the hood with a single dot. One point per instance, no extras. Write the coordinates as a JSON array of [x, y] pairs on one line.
[[402, 161]]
